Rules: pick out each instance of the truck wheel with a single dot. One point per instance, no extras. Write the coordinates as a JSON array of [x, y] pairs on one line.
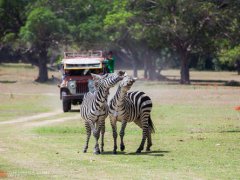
[[80, 101], [66, 105]]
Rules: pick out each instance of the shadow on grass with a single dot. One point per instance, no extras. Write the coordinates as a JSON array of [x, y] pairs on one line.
[[202, 82], [17, 65], [231, 131], [7, 82], [148, 153]]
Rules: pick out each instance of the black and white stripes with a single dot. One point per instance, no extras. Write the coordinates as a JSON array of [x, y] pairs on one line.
[[94, 109], [131, 106], [125, 107]]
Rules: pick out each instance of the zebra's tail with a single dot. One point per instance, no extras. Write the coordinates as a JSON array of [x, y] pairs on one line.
[[151, 125]]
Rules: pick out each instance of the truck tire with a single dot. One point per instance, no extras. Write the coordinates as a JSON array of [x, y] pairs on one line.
[[80, 101], [66, 105]]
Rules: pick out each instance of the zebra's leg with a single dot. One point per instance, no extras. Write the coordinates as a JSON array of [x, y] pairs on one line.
[[149, 140], [122, 132], [144, 125], [96, 134], [114, 129], [102, 135], [88, 131]]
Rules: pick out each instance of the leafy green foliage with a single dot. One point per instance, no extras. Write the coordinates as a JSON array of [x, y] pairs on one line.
[[231, 55], [12, 17], [42, 27]]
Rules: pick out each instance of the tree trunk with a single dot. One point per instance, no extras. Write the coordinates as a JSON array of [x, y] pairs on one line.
[[42, 66], [152, 73], [152, 66], [238, 66], [145, 68], [135, 69], [131, 49], [185, 77]]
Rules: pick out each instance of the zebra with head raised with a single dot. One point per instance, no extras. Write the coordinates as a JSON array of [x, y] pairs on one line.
[[94, 109], [131, 106]]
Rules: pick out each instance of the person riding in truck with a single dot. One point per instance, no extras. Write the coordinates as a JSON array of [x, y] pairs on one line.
[[109, 63]]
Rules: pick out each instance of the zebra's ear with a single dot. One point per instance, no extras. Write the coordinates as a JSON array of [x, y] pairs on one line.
[[105, 75], [134, 79], [121, 73], [95, 76]]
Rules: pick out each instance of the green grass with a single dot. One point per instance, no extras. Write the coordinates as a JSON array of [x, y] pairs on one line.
[[178, 151], [197, 134], [13, 105], [186, 146], [196, 118], [59, 130], [191, 142], [14, 172]]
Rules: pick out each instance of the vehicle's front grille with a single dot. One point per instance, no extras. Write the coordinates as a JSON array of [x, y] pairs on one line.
[[82, 87]]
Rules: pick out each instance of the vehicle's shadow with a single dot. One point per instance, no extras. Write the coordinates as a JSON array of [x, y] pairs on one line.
[[74, 110], [148, 153]]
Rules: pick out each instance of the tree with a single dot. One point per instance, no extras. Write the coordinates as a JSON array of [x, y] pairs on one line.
[[42, 31], [50, 24], [117, 25], [228, 47], [142, 31], [231, 56], [187, 27], [12, 17], [85, 21]]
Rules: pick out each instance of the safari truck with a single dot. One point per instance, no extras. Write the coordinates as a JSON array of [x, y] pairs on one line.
[[76, 76]]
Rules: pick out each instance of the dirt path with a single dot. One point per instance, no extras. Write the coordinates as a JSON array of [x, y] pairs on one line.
[[30, 121], [31, 118], [47, 122]]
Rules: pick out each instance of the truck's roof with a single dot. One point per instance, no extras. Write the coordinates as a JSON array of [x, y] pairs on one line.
[[83, 54], [82, 60]]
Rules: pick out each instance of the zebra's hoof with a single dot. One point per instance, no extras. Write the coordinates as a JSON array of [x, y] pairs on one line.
[[138, 151], [114, 152], [148, 149], [97, 152], [84, 151], [122, 147]]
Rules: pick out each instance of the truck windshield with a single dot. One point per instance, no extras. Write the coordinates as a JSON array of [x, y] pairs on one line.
[[83, 72]]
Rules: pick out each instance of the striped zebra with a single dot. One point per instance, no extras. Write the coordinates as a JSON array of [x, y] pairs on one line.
[[131, 106], [94, 109]]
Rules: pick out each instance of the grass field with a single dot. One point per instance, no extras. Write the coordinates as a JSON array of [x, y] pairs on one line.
[[197, 132]]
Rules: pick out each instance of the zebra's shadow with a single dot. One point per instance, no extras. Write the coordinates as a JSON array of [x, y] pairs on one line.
[[148, 153]]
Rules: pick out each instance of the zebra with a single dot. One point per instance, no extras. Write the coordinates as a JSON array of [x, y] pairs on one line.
[[131, 106], [94, 108]]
